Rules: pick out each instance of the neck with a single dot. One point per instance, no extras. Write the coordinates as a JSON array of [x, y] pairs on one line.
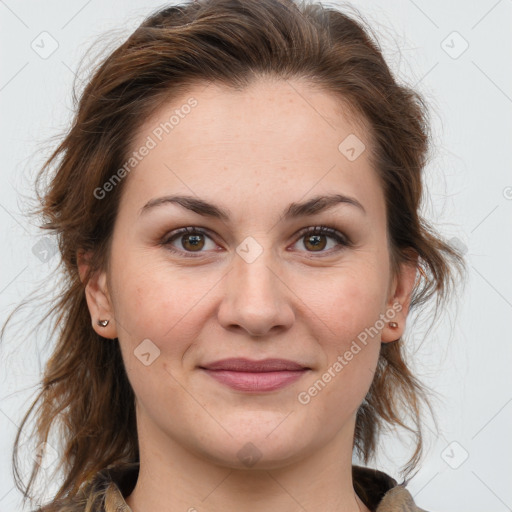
[[173, 478]]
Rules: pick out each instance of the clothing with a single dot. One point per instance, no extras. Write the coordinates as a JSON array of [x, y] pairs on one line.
[[377, 490]]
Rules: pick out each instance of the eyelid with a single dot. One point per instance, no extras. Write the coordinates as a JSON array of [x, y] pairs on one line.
[[325, 230], [175, 234], [341, 238]]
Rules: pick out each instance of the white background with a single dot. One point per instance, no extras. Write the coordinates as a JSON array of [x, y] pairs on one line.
[[466, 358]]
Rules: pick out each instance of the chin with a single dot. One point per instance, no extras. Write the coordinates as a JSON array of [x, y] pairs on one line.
[[260, 441], [254, 454]]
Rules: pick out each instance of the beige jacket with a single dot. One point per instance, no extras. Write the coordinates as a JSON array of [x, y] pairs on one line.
[[378, 491]]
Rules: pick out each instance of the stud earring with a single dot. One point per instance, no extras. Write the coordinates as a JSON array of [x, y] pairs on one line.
[[103, 323], [393, 325]]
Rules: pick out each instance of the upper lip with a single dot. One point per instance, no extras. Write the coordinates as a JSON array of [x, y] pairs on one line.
[[250, 365]]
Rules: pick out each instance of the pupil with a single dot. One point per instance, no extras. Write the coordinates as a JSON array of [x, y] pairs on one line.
[[193, 240], [315, 241]]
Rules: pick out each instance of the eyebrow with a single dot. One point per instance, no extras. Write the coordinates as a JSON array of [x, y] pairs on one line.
[[312, 206]]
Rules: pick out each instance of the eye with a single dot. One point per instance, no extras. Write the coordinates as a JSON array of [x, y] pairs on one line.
[[189, 240], [315, 239]]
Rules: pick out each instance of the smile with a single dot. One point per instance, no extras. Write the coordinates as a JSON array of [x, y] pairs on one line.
[[256, 381]]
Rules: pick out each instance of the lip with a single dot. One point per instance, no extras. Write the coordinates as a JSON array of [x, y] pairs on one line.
[[255, 376], [241, 364]]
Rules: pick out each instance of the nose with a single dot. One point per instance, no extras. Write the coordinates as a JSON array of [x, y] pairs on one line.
[[256, 299]]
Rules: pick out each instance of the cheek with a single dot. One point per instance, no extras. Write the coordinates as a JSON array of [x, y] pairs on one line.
[[351, 351], [170, 307], [351, 303], [349, 309], [158, 303]]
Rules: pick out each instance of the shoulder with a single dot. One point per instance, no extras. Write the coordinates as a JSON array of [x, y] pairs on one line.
[[381, 493]]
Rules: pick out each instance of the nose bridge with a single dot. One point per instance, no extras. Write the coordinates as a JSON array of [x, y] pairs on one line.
[[255, 278], [255, 298]]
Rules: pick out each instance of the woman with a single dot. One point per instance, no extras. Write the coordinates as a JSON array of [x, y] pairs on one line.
[[237, 206]]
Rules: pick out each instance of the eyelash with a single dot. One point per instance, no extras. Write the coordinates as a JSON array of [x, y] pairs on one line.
[[342, 239]]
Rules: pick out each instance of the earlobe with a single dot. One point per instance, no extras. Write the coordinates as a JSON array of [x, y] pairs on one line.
[[399, 301], [98, 299]]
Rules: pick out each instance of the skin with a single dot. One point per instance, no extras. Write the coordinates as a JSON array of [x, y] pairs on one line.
[[253, 153]]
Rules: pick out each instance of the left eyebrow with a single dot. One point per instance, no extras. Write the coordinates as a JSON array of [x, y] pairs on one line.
[[200, 206], [320, 203]]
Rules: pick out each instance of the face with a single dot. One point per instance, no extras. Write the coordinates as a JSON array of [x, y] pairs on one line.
[[256, 276]]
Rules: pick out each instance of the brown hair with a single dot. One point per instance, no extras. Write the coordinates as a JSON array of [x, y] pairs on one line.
[[85, 390]]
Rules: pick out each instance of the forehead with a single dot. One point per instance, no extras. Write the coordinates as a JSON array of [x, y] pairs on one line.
[[272, 137], [263, 107]]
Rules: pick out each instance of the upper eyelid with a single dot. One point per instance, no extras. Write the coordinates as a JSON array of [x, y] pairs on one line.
[[331, 232]]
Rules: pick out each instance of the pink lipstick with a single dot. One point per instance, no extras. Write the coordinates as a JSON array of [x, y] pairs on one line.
[[255, 376]]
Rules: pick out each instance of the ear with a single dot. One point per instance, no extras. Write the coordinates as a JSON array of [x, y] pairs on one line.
[[399, 300], [98, 297]]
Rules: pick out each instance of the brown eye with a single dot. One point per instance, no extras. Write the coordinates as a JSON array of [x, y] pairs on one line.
[[188, 241], [192, 242], [315, 242], [317, 239]]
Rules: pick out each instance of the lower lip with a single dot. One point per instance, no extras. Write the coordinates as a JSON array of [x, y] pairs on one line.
[[256, 381]]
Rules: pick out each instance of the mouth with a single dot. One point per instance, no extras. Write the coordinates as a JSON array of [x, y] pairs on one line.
[[255, 376]]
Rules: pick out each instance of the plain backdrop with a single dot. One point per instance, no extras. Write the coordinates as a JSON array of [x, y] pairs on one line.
[[458, 55]]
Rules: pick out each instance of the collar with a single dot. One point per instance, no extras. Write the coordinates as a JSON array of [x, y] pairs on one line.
[[377, 490]]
